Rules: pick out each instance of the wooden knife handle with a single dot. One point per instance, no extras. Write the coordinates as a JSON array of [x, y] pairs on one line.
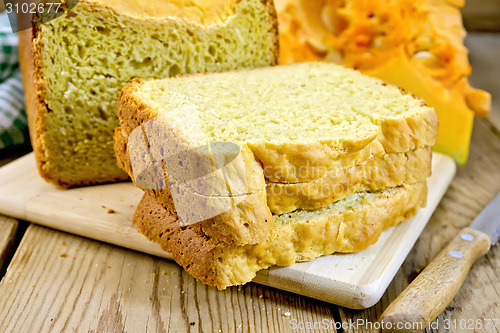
[[434, 288]]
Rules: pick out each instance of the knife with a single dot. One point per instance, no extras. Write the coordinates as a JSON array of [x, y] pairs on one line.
[[436, 286]]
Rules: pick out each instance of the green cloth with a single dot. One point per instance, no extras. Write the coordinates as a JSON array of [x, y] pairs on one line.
[[13, 123]]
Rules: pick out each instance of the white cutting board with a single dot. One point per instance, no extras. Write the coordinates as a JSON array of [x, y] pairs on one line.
[[355, 280]]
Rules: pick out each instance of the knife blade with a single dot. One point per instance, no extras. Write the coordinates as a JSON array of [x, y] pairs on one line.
[[488, 221], [436, 286]]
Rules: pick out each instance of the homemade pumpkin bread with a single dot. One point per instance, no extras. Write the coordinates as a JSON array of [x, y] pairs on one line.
[[230, 209], [378, 173], [75, 66], [300, 121], [236, 218], [351, 224], [290, 123]]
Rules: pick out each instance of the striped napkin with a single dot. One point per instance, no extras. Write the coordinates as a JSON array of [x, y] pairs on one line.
[[13, 124]]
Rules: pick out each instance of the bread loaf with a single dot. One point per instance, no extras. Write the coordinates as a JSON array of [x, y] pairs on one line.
[[76, 65]]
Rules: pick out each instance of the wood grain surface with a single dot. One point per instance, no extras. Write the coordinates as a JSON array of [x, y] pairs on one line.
[[8, 227], [481, 15], [59, 282], [435, 287], [484, 50]]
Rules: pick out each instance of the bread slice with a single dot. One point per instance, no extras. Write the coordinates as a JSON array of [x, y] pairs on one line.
[[351, 224], [249, 221], [238, 217], [76, 65], [300, 121], [276, 116], [233, 218], [378, 173]]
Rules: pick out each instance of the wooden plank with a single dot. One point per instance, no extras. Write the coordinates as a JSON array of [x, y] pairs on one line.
[[58, 282], [105, 213], [484, 50], [474, 186], [481, 15], [8, 228]]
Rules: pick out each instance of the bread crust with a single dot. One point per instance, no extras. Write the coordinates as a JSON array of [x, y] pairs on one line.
[[222, 265], [34, 94], [26, 65], [378, 173], [248, 221]]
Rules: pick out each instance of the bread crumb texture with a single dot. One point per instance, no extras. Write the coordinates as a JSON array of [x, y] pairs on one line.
[[301, 121], [84, 58], [307, 102]]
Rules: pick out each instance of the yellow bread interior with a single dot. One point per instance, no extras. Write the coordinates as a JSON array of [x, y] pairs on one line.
[[300, 121], [417, 45], [84, 58], [304, 102]]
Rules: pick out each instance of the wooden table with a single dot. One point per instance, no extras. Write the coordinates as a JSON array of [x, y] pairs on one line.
[[59, 282]]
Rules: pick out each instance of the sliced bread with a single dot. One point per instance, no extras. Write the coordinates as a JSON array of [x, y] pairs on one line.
[[300, 121], [378, 173], [351, 224], [75, 66], [277, 118]]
